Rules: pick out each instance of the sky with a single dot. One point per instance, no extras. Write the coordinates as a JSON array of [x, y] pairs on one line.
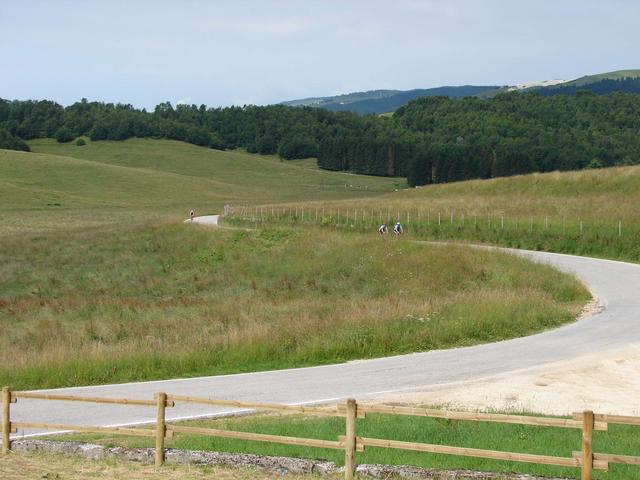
[[240, 52]]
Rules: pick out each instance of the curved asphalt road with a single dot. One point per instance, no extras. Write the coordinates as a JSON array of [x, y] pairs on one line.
[[615, 284]]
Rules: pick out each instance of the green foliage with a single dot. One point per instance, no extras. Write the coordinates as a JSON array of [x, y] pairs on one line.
[[11, 142], [298, 147], [64, 135], [430, 140], [80, 142]]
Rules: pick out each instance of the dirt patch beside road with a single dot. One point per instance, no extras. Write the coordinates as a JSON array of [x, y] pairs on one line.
[[605, 382]]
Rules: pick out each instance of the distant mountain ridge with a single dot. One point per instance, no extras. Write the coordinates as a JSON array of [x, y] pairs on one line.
[[384, 101]]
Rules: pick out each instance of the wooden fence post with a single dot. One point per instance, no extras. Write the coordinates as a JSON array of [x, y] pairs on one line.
[[6, 420], [587, 445], [161, 428], [350, 439]]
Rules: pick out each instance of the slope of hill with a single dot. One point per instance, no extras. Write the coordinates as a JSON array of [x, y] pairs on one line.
[[383, 101], [615, 75], [570, 212], [62, 185]]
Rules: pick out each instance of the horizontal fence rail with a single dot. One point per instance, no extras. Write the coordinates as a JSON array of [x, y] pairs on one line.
[[585, 459], [333, 412]]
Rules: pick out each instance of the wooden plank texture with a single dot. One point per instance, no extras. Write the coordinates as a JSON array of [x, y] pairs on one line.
[[326, 411], [75, 398], [258, 437], [138, 432], [617, 419]]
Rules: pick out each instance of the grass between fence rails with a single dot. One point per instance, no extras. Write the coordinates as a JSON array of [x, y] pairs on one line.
[[175, 300], [517, 438]]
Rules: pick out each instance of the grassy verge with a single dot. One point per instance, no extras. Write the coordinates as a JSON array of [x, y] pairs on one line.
[[63, 467], [543, 234], [219, 301], [515, 438], [570, 212]]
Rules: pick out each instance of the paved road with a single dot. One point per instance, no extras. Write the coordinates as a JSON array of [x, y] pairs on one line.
[[615, 284]]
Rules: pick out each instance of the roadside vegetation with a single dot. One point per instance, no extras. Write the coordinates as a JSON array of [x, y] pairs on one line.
[[66, 467], [592, 212], [121, 303], [493, 436], [63, 186]]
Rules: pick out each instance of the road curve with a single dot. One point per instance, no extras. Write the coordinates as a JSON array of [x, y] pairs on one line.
[[615, 284]]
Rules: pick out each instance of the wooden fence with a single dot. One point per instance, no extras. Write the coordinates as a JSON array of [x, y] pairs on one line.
[[585, 459]]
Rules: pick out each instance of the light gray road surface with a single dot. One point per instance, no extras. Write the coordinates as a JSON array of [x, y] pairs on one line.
[[615, 284], [211, 220]]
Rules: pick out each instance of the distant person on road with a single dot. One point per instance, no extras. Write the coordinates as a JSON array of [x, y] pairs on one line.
[[397, 229], [382, 230], [191, 215]]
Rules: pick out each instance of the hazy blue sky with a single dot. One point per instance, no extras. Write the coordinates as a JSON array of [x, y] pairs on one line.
[[237, 52]]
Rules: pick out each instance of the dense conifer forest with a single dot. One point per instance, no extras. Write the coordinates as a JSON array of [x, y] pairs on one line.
[[430, 140]]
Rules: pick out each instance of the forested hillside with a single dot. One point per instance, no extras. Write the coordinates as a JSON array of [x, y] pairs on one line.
[[430, 140]]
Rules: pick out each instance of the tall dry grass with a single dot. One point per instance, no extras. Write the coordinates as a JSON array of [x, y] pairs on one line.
[[115, 304]]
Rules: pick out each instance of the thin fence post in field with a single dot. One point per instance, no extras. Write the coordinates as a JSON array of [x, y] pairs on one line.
[[407, 218], [546, 222], [438, 218], [451, 218], [6, 420], [619, 228], [161, 428], [462, 219], [350, 439], [502, 222], [587, 445], [323, 212]]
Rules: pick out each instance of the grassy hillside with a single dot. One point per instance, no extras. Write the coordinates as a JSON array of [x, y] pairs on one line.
[[63, 185], [618, 74], [574, 212], [220, 301]]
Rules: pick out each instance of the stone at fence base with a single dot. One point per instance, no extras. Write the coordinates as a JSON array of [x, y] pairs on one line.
[[281, 465]]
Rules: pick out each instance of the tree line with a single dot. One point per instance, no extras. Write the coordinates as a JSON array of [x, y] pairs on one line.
[[430, 140]]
